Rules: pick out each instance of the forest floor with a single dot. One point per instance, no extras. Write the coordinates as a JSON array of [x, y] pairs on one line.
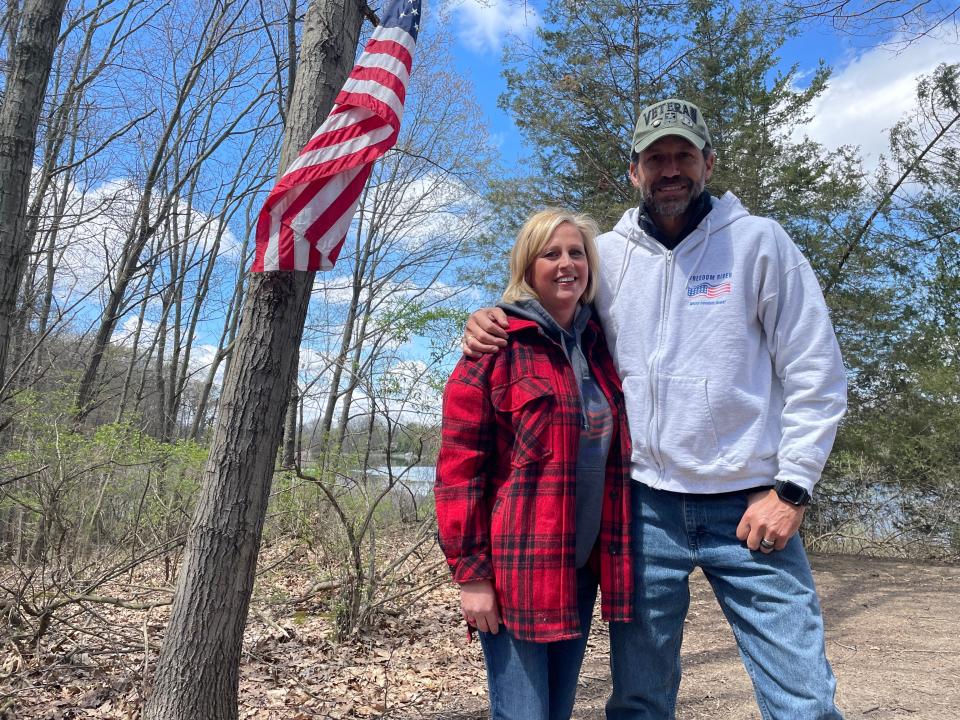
[[893, 637]]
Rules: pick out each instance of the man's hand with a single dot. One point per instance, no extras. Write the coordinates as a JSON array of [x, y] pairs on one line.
[[769, 519], [486, 332], [479, 604]]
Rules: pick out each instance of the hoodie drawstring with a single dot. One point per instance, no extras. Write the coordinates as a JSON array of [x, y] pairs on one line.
[[703, 251], [625, 260], [584, 420]]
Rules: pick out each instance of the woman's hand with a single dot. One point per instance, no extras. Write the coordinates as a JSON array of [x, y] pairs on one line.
[[479, 604]]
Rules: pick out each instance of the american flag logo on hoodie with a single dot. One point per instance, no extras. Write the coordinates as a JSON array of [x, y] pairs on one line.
[[709, 290]]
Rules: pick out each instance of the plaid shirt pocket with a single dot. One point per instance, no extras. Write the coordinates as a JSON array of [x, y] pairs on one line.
[[529, 402]]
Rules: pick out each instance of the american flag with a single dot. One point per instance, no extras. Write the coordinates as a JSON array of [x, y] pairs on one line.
[[709, 291], [305, 219]]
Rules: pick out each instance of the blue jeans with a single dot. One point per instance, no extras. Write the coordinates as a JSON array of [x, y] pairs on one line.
[[538, 681], [769, 600]]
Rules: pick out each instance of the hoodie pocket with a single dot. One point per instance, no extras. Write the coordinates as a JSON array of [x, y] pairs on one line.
[[688, 434], [529, 401]]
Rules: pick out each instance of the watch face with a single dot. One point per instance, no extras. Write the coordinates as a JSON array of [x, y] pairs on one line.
[[792, 493]]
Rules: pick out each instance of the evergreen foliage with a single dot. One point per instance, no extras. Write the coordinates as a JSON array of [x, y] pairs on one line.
[[905, 401]]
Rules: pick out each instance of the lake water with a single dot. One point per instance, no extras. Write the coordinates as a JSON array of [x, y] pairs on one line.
[[419, 478]]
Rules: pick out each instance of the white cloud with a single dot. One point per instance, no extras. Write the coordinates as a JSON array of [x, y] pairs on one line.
[[869, 93], [202, 355], [125, 334], [409, 397], [201, 358], [98, 222], [338, 290], [482, 25], [313, 362], [403, 389], [333, 289], [432, 211]]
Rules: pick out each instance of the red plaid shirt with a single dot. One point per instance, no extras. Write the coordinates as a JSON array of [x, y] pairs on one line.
[[506, 482]]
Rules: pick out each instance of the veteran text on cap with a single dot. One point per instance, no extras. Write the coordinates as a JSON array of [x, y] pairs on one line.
[[670, 117]]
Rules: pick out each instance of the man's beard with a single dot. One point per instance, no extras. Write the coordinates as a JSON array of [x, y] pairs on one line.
[[671, 208]]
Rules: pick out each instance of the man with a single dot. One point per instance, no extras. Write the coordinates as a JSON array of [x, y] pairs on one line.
[[734, 388]]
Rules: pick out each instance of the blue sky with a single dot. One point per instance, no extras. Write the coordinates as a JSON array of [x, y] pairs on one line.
[[872, 85]]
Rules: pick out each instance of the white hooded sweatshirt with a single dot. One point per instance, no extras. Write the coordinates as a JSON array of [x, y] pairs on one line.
[[730, 366]]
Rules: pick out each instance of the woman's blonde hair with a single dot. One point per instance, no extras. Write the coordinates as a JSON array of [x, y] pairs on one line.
[[533, 238]]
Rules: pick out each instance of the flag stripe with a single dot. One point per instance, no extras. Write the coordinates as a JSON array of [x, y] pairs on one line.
[[330, 228], [389, 64], [333, 166], [326, 196], [340, 127], [338, 206], [353, 90], [342, 145], [395, 35], [286, 232], [268, 226], [384, 110], [384, 77], [393, 48]]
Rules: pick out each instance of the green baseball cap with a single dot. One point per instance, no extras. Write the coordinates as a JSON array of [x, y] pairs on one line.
[[670, 117]]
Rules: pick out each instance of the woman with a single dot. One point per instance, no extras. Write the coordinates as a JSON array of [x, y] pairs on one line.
[[532, 491]]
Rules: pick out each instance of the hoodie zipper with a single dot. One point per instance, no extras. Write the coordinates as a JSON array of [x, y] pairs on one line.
[[654, 429]]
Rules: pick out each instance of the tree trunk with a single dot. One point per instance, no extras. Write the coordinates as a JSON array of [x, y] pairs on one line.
[[24, 91], [197, 673], [135, 349], [291, 429]]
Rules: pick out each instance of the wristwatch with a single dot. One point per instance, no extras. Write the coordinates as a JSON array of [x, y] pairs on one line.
[[792, 493]]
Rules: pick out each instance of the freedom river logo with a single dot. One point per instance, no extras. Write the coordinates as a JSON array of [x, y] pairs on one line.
[[709, 289]]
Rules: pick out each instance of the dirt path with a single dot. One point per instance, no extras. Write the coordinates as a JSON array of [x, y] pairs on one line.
[[893, 638], [892, 635]]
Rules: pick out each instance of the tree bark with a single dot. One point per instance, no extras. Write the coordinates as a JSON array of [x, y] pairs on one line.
[[197, 673], [291, 429], [23, 96]]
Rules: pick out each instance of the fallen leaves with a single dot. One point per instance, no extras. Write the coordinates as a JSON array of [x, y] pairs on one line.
[[414, 663]]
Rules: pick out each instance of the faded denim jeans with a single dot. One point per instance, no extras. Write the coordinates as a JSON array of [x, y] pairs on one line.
[[538, 681], [769, 600]]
